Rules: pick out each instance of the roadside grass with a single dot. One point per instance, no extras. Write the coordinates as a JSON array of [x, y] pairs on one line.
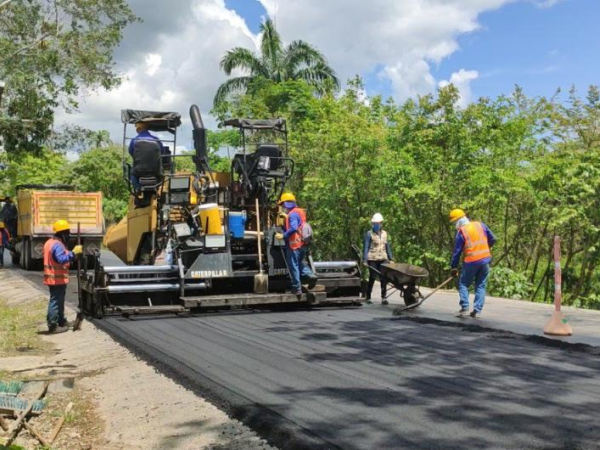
[[19, 327]]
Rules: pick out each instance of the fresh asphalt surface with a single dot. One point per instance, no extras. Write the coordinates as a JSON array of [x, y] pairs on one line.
[[356, 379]]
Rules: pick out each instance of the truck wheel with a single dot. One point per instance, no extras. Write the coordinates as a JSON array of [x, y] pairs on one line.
[[22, 255], [26, 256]]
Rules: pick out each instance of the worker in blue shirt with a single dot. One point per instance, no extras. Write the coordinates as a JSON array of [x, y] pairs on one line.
[[143, 134], [57, 261], [141, 128], [475, 240], [377, 250], [295, 246]]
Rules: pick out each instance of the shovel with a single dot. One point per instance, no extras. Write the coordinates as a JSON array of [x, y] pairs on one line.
[[261, 279]]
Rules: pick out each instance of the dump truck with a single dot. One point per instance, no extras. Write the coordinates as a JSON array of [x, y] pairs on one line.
[[39, 206], [195, 240]]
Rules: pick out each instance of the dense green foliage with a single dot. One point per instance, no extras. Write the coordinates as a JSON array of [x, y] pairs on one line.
[[297, 61], [49, 51], [99, 166], [529, 168]]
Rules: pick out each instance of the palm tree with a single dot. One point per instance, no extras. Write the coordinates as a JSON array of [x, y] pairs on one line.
[[298, 61]]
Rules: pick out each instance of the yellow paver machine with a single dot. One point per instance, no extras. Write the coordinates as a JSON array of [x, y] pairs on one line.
[[190, 239]]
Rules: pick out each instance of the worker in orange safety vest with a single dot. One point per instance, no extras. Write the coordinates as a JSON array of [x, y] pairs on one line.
[[295, 246], [474, 240], [57, 260]]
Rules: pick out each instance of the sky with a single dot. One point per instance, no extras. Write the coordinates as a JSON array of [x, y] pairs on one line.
[[401, 48]]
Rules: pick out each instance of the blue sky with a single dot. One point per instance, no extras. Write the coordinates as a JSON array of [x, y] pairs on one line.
[[539, 48]]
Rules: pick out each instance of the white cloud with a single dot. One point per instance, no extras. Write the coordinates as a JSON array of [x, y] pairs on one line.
[[153, 62], [171, 59], [410, 77], [168, 63], [400, 39], [462, 81], [546, 3]]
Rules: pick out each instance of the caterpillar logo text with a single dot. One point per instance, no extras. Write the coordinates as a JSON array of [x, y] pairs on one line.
[[209, 273]]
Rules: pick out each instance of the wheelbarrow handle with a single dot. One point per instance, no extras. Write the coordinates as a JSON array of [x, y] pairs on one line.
[[437, 288], [372, 268]]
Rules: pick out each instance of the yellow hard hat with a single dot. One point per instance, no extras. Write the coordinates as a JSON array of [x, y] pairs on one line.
[[1, 224], [60, 225], [456, 214], [287, 197]]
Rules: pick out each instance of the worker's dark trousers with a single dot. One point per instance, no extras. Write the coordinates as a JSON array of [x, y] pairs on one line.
[[56, 306], [12, 228], [2, 255], [374, 275]]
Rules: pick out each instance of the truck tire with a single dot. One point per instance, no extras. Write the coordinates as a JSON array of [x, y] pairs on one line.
[[26, 262], [22, 255]]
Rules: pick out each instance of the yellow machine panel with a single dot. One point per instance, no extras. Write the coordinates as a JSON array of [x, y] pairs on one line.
[[125, 238]]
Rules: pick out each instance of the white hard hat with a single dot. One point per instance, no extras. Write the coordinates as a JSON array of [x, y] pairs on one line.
[[377, 218]]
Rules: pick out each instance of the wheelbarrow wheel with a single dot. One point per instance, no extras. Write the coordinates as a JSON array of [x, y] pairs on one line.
[[410, 295]]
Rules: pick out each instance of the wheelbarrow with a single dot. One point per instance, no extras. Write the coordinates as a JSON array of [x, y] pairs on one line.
[[405, 279]]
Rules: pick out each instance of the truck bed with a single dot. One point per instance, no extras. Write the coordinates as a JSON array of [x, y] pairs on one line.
[[38, 210]]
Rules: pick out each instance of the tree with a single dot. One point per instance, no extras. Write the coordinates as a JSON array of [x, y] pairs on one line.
[[49, 51], [101, 169], [79, 139], [45, 167], [298, 61]]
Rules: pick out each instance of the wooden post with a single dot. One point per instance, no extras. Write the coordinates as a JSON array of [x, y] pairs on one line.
[[60, 424], [557, 325]]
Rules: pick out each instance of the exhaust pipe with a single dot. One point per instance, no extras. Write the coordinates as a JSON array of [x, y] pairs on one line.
[[199, 133]]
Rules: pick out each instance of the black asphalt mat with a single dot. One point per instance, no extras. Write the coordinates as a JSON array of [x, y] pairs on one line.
[[358, 379]]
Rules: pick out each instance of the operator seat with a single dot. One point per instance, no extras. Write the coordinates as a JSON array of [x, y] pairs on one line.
[[147, 163], [265, 161], [271, 151]]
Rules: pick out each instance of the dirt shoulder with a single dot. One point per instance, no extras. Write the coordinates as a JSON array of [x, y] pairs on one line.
[[120, 401]]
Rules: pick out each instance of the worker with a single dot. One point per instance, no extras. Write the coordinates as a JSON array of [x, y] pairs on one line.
[[4, 241], [141, 129], [9, 215], [475, 240], [295, 247], [377, 250], [57, 259]]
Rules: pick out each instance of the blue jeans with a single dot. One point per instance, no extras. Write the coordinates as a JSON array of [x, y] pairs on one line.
[[56, 306], [469, 273], [297, 266], [135, 183]]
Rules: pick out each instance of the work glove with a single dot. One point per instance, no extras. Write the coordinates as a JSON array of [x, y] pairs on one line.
[[281, 218], [454, 272], [279, 236], [78, 250]]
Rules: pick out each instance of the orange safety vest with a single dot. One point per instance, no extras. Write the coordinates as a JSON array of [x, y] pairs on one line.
[[295, 240], [55, 274], [476, 244]]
